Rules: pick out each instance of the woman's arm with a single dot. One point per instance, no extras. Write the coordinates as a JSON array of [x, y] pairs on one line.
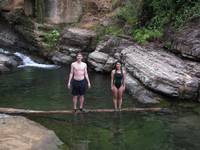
[[124, 79], [112, 77]]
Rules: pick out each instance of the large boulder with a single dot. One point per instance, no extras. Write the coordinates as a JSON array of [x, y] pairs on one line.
[[186, 41], [156, 69], [74, 40], [20, 133], [83, 39], [107, 53], [160, 71], [139, 92]]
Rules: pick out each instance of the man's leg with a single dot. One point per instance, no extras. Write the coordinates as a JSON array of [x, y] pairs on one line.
[[81, 99], [82, 93], [75, 102]]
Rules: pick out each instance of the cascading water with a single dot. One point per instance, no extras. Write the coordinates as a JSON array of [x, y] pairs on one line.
[[67, 11], [28, 62]]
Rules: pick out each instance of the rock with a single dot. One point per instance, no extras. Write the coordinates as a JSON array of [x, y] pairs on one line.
[[161, 71], [109, 65], [99, 57], [107, 53], [8, 62], [98, 60], [9, 38], [11, 5], [20, 133], [186, 41], [113, 45], [74, 40], [98, 6], [101, 61], [61, 58], [3, 68], [19, 31], [156, 69], [83, 39], [139, 92]]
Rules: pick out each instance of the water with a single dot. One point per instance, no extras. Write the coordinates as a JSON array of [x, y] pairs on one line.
[[28, 62], [44, 89]]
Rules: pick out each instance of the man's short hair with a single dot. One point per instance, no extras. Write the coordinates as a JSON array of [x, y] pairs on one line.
[[79, 53]]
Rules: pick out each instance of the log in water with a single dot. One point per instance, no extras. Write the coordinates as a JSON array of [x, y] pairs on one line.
[[27, 111]]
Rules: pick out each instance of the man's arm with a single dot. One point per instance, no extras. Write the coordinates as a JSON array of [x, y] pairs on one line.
[[70, 76], [86, 76]]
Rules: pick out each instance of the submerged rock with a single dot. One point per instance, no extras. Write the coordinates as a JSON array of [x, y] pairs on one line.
[[20, 133]]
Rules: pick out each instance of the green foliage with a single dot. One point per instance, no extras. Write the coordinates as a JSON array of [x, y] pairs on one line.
[[128, 14], [51, 38], [157, 14], [143, 35], [174, 12], [186, 13]]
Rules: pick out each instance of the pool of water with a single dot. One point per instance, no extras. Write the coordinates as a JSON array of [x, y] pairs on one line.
[[33, 88]]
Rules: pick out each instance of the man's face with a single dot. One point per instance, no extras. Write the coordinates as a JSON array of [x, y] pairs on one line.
[[79, 57]]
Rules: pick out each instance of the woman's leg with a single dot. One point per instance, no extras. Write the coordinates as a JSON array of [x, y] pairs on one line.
[[120, 95], [114, 92]]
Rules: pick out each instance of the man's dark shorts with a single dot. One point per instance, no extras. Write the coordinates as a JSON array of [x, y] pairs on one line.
[[78, 87]]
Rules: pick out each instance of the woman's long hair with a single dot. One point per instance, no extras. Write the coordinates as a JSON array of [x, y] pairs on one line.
[[120, 66]]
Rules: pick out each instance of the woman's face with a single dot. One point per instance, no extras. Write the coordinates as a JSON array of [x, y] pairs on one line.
[[118, 66]]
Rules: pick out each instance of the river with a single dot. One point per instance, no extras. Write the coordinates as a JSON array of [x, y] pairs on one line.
[[44, 89]]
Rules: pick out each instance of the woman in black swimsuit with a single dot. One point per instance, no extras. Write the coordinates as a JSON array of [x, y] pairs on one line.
[[118, 77]]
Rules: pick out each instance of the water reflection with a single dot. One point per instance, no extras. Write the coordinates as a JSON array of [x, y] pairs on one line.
[[45, 89]]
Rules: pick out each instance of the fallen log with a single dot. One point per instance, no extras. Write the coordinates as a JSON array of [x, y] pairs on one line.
[[27, 111]]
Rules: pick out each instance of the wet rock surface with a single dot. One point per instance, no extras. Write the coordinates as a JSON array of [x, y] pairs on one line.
[[20, 133]]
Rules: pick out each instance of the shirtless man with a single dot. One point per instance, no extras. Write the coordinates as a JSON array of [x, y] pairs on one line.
[[77, 77]]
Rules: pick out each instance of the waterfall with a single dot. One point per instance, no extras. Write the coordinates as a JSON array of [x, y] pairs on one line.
[[52, 10], [67, 11], [28, 62]]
